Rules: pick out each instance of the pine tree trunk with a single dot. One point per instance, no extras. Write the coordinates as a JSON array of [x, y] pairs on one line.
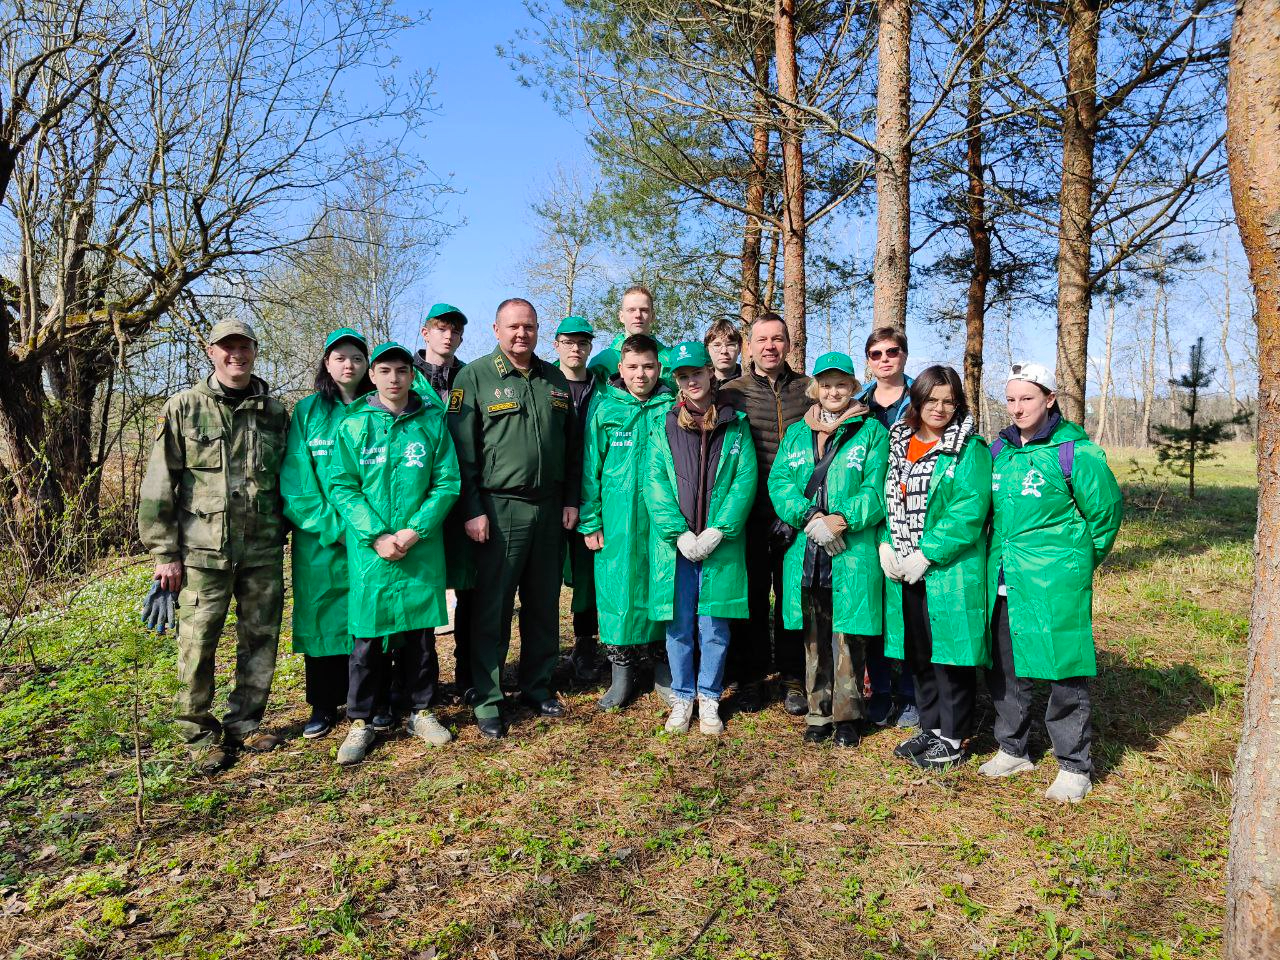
[[755, 189], [793, 222], [1253, 143], [892, 267], [976, 221], [1075, 226]]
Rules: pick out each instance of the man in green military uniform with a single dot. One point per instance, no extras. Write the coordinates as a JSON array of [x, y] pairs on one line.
[[511, 416], [211, 516]]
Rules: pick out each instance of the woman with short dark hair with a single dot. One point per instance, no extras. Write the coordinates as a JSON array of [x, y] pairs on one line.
[[937, 496]]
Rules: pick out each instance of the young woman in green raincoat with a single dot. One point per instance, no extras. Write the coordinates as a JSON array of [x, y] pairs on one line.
[[319, 549], [395, 479], [701, 485], [614, 518], [934, 554], [1056, 510], [833, 588]]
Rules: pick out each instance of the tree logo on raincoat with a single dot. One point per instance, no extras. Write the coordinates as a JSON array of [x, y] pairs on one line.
[[415, 454], [1032, 483]]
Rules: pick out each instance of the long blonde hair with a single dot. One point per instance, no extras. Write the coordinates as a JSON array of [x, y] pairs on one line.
[[707, 421]]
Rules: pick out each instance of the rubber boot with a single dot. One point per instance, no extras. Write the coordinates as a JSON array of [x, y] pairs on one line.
[[662, 682], [621, 690]]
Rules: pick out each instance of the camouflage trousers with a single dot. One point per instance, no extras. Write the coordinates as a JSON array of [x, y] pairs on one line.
[[203, 605], [833, 663]]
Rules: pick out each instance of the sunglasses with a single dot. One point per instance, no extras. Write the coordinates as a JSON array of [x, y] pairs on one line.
[[890, 352]]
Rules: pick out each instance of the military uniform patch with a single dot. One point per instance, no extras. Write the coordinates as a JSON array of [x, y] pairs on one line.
[[455, 400], [506, 407], [559, 404]]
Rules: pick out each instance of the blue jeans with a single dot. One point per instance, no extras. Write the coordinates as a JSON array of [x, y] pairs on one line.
[[696, 645], [880, 672]]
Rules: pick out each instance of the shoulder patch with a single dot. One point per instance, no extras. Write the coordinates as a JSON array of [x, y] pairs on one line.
[[504, 407], [455, 399]]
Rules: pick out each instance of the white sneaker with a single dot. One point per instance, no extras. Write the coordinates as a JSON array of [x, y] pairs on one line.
[[681, 714], [1005, 765], [355, 747], [424, 725], [709, 721], [1070, 787]]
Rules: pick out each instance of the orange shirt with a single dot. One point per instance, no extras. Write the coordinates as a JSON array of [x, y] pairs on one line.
[[916, 448]]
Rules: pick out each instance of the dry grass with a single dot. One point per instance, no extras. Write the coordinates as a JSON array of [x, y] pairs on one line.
[[599, 836]]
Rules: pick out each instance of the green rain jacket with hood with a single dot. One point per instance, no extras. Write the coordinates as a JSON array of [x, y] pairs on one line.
[[723, 588], [615, 462], [1049, 537], [954, 541], [393, 473], [320, 580], [855, 490]]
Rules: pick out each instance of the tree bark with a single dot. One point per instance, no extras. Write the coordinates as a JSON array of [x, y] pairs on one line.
[[756, 177], [1075, 225], [891, 269], [976, 220], [1253, 143], [793, 220]]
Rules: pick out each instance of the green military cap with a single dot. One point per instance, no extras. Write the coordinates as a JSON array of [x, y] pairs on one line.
[[346, 333], [690, 353], [232, 328], [442, 310], [574, 325], [835, 360], [390, 347]]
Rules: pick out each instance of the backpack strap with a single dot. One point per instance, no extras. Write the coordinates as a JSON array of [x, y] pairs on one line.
[[996, 447], [1066, 461]]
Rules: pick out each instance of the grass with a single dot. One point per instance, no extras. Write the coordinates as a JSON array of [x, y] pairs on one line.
[[600, 836]]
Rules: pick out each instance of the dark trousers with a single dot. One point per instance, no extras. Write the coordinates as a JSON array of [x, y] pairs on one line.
[[944, 693], [327, 680], [462, 614], [586, 623], [1067, 717], [880, 671], [375, 674], [752, 653], [833, 663], [520, 556]]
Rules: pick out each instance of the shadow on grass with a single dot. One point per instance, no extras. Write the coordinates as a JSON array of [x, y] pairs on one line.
[[1163, 523]]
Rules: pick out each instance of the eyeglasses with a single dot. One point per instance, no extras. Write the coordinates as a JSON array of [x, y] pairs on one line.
[[890, 352], [948, 402]]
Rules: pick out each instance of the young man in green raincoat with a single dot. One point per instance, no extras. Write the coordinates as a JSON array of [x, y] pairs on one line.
[[396, 479], [700, 489], [1056, 511], [320, 580], [833, 588], [614, 518]]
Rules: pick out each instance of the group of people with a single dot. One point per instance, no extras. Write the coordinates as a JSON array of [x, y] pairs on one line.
[[719, 519]]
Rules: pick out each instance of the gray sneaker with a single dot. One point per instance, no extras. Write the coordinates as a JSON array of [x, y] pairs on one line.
[[1070, 787], [357, 743], [1005, 765], [424, 725]]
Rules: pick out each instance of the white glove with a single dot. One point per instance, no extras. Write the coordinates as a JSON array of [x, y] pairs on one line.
[[914, 566], [889, 562], [836, 546], [687, 544], [708, 540], [818, 531]]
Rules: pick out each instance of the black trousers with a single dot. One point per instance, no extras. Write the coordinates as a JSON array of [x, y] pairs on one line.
[[944, 693], [760, 643], [586, 623], [376, 674], [1068, 717], [326, 680], [462, 613]]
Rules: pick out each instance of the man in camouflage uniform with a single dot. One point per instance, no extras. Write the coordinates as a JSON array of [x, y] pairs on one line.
[[211, 516]]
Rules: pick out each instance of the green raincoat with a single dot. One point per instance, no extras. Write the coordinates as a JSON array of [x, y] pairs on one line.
[[723, 591], [320, 580], [855, 490], [615, 464], [955, 543], [1049, 544], [394, 473]]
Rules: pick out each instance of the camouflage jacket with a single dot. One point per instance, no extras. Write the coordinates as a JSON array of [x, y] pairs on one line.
[[211, 495]]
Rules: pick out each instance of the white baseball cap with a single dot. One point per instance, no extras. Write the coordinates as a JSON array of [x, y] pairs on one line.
[[1035, 373]]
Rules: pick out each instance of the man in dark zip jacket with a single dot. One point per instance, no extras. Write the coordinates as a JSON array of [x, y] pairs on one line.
[[772, 396]]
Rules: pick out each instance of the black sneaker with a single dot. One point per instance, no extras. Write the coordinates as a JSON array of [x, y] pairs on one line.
[[383, 721], [940, 755], [915, 746], [321, 723], [795, 702], [846, 734], [817, 734], [750, 697]]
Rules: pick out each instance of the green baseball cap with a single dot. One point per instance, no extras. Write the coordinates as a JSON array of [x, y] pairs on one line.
[[689, 353], [232, 328], [346, 333], [445, 310], [382, 349], [835, 360], [574, 325]]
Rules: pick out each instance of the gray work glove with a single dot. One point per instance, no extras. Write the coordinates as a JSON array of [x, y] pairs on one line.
[[914, 566], [159, 609], [818, 531], [687, 544], [708, 540], [889, 562], [835, 546]]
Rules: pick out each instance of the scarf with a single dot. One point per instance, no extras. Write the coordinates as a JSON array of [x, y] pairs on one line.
[[823, 423], [907, 511]]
